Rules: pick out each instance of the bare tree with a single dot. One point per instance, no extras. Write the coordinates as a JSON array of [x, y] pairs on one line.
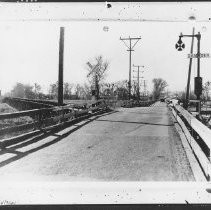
[[159, 86], [79, 91], [68, 90], [121, 89], [135, 90], [83, 91], [206, 90], [107, 90], [37, 89], [23, 91], [53, 90], [97, 73], [86, 91], [29, 93], [18, 90]]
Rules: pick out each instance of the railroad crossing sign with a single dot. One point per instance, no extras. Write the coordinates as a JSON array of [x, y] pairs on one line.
[[202, 55], [180, 45]]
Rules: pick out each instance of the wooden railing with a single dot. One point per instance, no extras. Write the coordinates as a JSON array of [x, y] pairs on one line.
[[27, 104], [45, 119], [198, 136]]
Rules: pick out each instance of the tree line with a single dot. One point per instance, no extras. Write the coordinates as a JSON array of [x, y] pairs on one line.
[[116, 90], [206, 88], [97, 69], [71, 91]]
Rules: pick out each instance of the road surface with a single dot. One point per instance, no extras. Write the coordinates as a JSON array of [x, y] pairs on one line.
[[130, 144]]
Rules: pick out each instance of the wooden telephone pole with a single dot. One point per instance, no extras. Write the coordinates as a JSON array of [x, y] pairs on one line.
[[138, 80], [61, 58], [130, 49], [198, 80], [189, 73]]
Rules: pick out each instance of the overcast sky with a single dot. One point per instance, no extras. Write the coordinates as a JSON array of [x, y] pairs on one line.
[[29, 49]]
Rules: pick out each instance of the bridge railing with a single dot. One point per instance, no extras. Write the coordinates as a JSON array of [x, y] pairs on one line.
[[43, 119], [27, 104], [198, 136], [48, 102]]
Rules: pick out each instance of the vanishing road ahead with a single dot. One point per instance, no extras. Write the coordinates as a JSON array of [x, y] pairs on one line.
[[130, 144]]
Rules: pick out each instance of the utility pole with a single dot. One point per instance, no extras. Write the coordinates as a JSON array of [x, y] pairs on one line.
[[198, 80], [138, 77], [189, 73], [60, 76], [130, 49], [144, 89]]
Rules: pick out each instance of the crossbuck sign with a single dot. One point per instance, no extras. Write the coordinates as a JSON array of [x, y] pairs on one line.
[[202, 55]]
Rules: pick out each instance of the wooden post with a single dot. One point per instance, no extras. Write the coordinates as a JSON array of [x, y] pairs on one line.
[[189, 73], [198, 108], [61, 58]]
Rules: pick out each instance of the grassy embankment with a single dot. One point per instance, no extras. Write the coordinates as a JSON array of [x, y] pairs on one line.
[[5, 108]]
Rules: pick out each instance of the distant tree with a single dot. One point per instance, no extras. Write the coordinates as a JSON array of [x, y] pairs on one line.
[[121, 89], [135, 91], [18, 90], [68, 90], [206, 90], [22, 91], [86, 93], [37, 89], [122, 93], [53, 90], [107, 90], [29, 93], [159, 86], [96, 72], [43, 96], [181, 95], [82, 91], [117, 90], [79, 91]]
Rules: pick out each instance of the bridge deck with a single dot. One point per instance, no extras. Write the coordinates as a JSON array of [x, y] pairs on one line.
[[134, 144]]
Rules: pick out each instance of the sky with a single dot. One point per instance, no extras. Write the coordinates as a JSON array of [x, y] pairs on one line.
[[29, 43]]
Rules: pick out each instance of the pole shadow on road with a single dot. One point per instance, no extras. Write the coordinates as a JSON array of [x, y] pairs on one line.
[[20, 155]]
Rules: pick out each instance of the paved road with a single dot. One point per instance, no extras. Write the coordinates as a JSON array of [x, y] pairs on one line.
[[132, 144]]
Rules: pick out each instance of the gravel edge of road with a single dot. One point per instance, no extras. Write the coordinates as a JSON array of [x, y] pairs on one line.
[[195, 167]]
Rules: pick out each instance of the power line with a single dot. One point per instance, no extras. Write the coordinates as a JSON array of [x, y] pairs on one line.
[[130, 48], [138, 77], [145, 87]]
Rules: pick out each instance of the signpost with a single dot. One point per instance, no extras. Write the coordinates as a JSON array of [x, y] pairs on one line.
[[202, 55], [95, 86], [198, 80]]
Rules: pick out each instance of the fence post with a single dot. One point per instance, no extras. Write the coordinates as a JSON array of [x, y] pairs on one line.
[[39, 119], [62, 114]]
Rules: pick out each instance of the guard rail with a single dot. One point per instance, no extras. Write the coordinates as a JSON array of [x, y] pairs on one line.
[[198, 136], [44, 119]]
